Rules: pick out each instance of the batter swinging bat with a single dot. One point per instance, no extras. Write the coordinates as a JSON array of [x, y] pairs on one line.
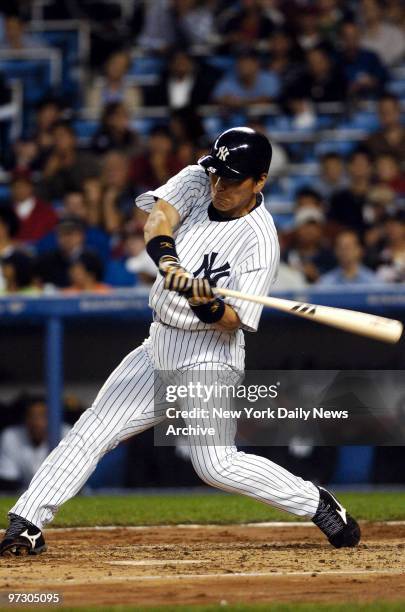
[[361, 323]]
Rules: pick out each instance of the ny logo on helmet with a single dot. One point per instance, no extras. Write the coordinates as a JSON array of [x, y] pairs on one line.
[[223, 153], [208, 271]]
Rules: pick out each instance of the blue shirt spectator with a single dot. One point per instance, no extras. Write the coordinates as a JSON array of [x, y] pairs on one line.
[[337, 276], [247, 84], [15, 38], [350, 271], [364, 72]]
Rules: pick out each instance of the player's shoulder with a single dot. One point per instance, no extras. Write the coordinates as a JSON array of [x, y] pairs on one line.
[[262, 223], [196, 173]]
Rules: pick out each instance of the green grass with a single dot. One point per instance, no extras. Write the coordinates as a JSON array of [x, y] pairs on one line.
[[267, 607], [199, 508]]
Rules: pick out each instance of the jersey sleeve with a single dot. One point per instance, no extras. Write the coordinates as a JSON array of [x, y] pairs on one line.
[[252, 278], [181, 191]]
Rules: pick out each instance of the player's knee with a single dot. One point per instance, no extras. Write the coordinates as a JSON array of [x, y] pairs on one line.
[[214, 473]]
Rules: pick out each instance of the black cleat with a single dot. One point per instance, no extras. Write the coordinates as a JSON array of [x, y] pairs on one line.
[[338, 526], [22, 538]]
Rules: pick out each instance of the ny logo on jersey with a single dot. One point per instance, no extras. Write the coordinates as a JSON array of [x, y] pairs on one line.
[[208, 271], [223, 153]]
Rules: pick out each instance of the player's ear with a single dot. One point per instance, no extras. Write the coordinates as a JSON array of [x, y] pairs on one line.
[[259, 184]]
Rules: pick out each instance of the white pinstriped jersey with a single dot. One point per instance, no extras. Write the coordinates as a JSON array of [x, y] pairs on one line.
[[241, 254]]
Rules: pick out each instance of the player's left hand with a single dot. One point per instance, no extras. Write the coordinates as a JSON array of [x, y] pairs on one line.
[[176, 277]]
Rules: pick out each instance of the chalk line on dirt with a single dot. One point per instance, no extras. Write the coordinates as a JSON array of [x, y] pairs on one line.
[[271, 524]]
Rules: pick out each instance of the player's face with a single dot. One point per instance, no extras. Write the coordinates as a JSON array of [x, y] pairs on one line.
[[232, 197]]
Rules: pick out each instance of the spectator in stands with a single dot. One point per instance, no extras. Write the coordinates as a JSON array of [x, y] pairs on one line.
[[385, 39], [389, 260], [158, 163], [245, 25], [193, 23], [31, 153], [346, 205], [49, 113], [332, 176], [6, 114], [119, 191], [53, 266], [76, 204], [15, 36], [309, 33], [388, 172], [332, 13], [365, 74], [309, 198], [247, 84], [186, 126], [390, 138], [308, 252], [36, 217], [285, 59], [66, 167], [185, 83], [86, 274], [9, 226], [381, 203], [157, 33], [133, 266], [115, 131], [18, 274], [24, 447], [350, 270], [394, 12], [323, 80], [114, 86]]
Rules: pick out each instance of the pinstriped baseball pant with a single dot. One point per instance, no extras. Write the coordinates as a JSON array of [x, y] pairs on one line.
[[125, 407]]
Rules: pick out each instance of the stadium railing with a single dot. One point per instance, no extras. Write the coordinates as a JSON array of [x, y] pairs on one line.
[[123, 305]]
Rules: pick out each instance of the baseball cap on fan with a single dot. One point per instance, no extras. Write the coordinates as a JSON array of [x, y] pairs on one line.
[[238, 153], [308, 214]]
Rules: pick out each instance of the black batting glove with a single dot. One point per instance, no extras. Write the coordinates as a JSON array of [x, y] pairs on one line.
[[200, 292], [176, 277]]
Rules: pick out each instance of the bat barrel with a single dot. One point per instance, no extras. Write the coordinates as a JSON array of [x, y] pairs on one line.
[[360, 323]]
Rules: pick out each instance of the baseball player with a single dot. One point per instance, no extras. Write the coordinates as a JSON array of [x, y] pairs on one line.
[[207, 226]]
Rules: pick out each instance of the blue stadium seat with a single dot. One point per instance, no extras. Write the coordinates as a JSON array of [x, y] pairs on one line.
[[343, 147], [146, 66], [221, 62], [397, 87], [282, 221], [35, 75], [213, 125], [354, 465], [85, 128], [362, 120], [67, 41], [294, 183], [143, 125], [4, 193]]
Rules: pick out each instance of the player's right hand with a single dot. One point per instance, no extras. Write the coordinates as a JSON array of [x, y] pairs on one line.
[[176, 277]]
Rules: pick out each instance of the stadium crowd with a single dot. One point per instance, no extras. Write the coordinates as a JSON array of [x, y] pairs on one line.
[[69, 222]]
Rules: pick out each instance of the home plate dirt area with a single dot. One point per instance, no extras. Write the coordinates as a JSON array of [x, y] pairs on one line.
[[210, 564]]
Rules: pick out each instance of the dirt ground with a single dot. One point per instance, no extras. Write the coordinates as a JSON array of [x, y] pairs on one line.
[[185, 565]]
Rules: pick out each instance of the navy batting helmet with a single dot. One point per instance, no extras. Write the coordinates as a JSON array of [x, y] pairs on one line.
[[239, 153]]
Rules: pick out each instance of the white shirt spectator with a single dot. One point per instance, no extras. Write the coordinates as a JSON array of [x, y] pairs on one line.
[[19, 458], [388, 41]]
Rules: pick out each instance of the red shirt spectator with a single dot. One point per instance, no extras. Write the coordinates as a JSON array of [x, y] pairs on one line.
[[36, 217]]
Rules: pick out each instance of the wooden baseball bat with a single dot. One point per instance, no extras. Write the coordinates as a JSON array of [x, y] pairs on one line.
[[361, 323]]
